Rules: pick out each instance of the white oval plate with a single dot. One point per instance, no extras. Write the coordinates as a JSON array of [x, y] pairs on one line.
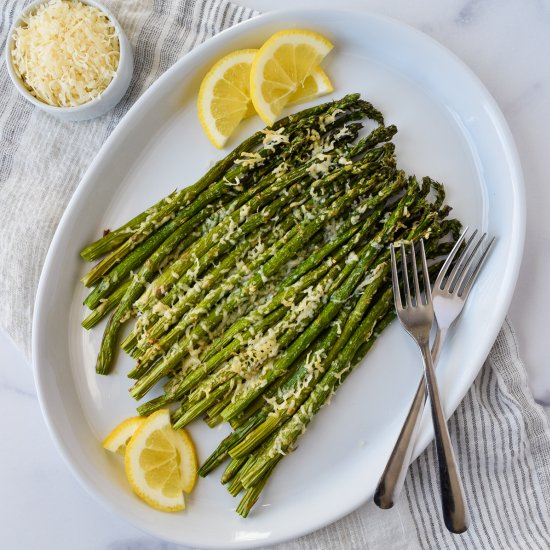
[[450, 129]]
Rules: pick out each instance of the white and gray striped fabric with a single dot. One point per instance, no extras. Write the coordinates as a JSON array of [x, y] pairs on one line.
[[501, 435]]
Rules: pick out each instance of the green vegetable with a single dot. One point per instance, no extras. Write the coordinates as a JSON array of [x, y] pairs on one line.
[[256, 291]]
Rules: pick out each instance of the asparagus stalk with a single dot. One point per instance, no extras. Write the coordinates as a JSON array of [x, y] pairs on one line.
[[112, 239], [233, 468], [252, 494], [105, 305]]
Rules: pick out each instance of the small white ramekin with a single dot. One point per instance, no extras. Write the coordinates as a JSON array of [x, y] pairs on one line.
[[97, 106]]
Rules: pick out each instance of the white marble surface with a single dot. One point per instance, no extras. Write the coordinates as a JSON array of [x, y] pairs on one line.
[[507, 44]]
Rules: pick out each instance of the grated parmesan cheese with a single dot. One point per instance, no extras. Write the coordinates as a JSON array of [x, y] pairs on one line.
[[343, 132], [352, 258], [362, 208], [371, 276], [66, 53], [159, 307], [258, 350], [250, 160], [308, 306], [280, 169], [329, 118], [234, 183], [273, 138], [261, 274], [376, 245], [244, 212], [319, 169]]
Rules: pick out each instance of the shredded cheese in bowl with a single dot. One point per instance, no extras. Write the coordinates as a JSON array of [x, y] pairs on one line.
[[66, 52]]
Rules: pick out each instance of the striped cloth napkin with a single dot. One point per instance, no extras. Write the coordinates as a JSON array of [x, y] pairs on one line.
[[502, 437]]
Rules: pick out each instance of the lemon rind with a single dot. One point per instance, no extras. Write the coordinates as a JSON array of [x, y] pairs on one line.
[[189, 465]]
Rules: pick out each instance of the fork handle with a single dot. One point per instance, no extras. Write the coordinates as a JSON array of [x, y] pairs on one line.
[[393, 478], [455, 513]]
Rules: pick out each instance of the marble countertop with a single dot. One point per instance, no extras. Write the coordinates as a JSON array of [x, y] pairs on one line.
[[507, 45]]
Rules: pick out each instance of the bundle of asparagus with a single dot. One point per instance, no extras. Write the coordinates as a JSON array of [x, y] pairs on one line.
[[257, 290]]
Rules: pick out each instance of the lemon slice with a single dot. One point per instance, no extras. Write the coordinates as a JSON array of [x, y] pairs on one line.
[[117, 440], [315, 85], [224, 96], [282, 65], [156, 456]]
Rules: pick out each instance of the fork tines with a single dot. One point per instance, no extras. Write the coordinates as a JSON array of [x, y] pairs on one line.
[[419, 297], [466, 267]]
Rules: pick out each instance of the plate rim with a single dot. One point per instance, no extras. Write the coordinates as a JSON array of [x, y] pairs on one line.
[[517, 238]]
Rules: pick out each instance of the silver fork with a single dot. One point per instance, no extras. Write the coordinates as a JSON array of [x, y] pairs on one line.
[[449, 295], [417, 317]]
